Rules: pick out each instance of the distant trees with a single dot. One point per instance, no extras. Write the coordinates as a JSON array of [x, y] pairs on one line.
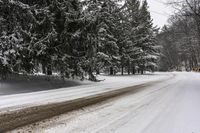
[[180, 40], [76, 38]]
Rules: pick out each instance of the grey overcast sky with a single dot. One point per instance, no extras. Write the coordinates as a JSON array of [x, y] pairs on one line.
[[160, 12]]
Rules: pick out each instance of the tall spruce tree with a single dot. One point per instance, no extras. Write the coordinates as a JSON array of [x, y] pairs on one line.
[[147, 42], [131, 25], [107, 50], [103, 49], [17, 22]]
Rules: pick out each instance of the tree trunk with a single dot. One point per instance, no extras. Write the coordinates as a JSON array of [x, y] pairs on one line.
[[91, 76], [122, 72], [138, 70], [128, 70], [111, 71], [49, 70], [133, 70], [97, 72], [4, 72], [44, 69], [142, 71]]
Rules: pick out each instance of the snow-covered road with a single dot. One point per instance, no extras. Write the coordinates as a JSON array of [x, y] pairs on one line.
[[172, 106]]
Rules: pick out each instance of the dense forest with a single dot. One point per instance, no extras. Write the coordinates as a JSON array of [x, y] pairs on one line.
[[181, 38], [77, 37]]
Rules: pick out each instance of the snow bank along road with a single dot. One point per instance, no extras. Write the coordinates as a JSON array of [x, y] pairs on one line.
[[172, 106], [21, 109]]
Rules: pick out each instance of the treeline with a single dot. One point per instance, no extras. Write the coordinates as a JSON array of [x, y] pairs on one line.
[[181, 38], [76, 38]]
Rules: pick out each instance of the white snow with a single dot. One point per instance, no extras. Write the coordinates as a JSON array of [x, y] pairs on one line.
[[172, 106], [44, 97]]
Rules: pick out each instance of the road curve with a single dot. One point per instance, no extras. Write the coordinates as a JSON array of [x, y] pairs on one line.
[[172, 106]]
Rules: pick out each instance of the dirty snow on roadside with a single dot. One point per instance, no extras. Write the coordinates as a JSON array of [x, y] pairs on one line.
[[172, 106]]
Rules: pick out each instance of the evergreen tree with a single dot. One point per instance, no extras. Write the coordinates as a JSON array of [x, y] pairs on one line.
[[107, 43], [147, 40], [17, 22], [131, 25], [103, 49]]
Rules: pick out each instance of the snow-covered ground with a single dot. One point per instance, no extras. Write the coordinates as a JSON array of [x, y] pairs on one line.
[[172, 106], [19, 101], [17, 84]]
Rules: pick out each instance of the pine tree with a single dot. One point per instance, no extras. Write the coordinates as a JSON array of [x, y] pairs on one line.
[[107, 42], [15, 56], [56, 31], [102, 49], [131, 25], [43, 34], [148, 43]]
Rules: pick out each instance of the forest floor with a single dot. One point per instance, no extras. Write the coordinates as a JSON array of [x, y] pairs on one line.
[[171, 106]]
